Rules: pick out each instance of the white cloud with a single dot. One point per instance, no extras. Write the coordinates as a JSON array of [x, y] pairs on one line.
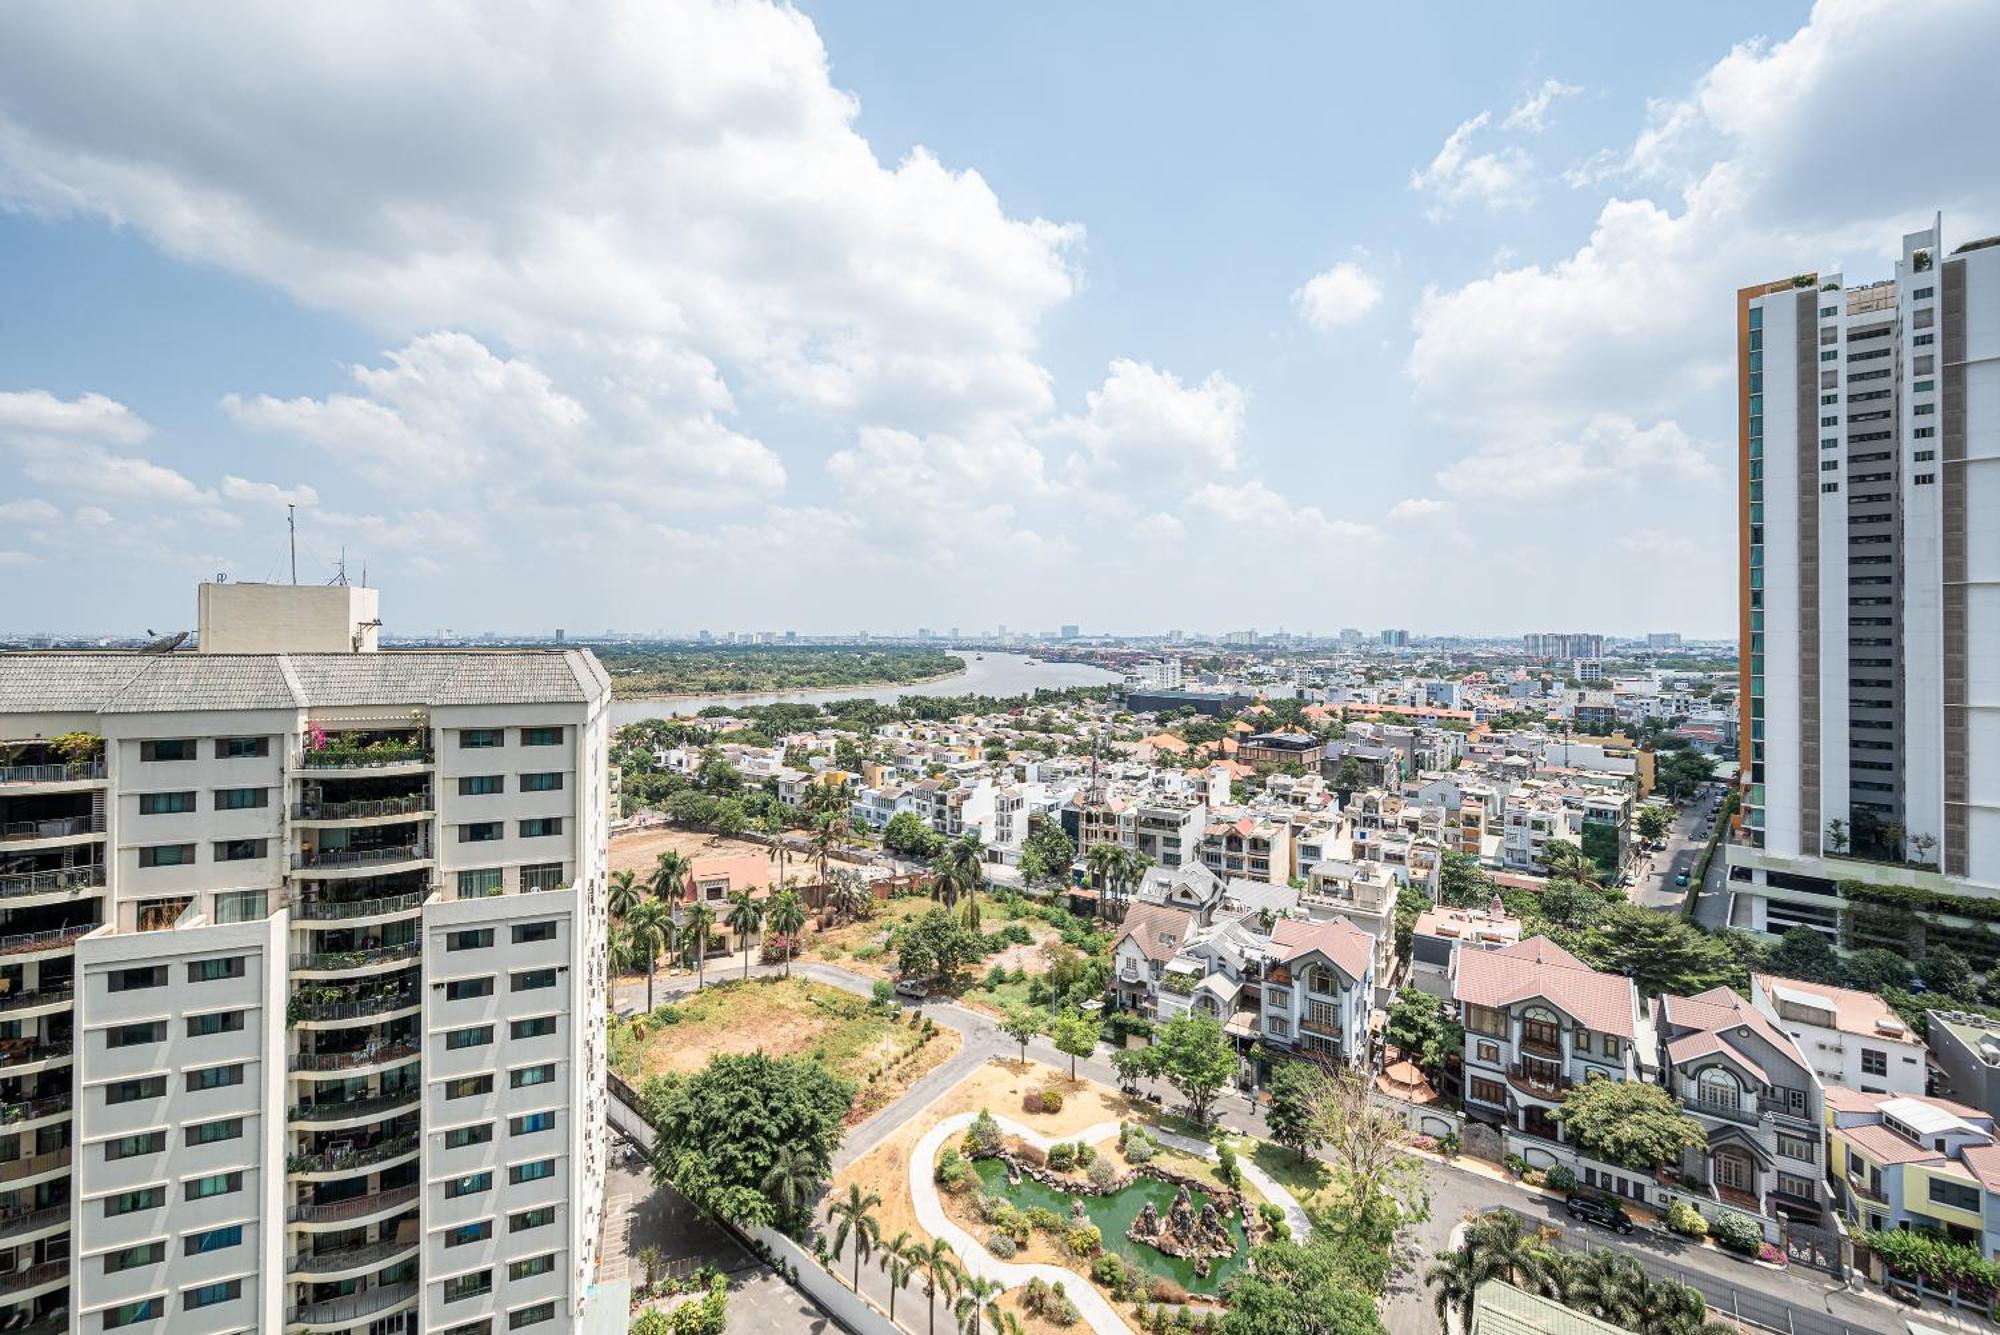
[[1264, 514], [37, 414], [1338, 296], [74, 445], [1531, 114], [1501, 179], [29, 512], [1609, 451], [1418, 507], [267, 495], [1145, 424], [1159, 527]]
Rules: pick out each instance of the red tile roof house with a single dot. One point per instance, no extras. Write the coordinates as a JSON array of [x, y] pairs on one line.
[[1319, 989], [713, 879]]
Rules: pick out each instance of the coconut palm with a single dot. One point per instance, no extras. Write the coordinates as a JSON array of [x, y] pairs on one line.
[[746, 917], [1455, 1278], [975, 1294], [623, 895], [899, 1260], [856, 1215], [788, 920], [773, 825], [1606, 1285], [695, 927], [959, 871], [938, 1264], [1131, 870], [790, 1181], [652, 932], [670, 874], [828, 827], [1566, 860], [1504, 1247], [1674, 1307], [1103, 859]]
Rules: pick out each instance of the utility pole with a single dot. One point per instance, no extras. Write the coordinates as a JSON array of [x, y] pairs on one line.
[[292, 531]]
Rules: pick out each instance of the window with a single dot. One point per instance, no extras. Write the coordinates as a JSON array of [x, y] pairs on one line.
[[532, 1075], [541, 736], [239, 850], [209, 1133], [215, 970], [1925, 409], [542, 783], [476, 738], [539, 1217], [1924, 386], [531, 1172], [460, 1287], [529, 1123], [1485, 1091], [1828, 400], [214, 1240], [526, 932], [165, 804], [470, 1087], [1925, 479], [480, 883], [1487, 1052], [215, 1022], [538, 877], [1797, 1147], [1609, 1042], [541, 1026], [529, 979], [1830, 355], [131, 1091], [460, 1137], [1829, 421], [1874, 1061], [131, 1202], [534, 1265], [475, 1037], [127, 1314], [179, 748], [467, 989], [469, 938], [1926, 432], [1954, 1195], [470, 1184], [241, 799], [1924, 456], [1829, 486], [215, 1184], [1922, 293], [215, 1077], [1923, 340], [465, 1234], [131, 1258], [208, 1295], [482, 785], [167, 855], [127, 1147], [132, 1035], [531, 1316], [241, 748], [1829, 465], [481, 832], [540, 827]]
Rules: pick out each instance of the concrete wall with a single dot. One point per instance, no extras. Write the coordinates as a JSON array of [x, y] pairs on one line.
[[287, 618]]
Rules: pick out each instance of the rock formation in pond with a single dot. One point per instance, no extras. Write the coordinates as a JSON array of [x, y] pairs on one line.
[[1183, 1233]]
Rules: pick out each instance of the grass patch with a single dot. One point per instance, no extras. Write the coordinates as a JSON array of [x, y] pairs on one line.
[[1302, 1178], [780, 1016]]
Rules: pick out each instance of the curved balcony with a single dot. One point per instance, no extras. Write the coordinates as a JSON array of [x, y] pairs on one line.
[[336, 862], [49, 1274], [351, 1211], [65, 882], [356, 961], [338, 1312], [57, 941], [370, 1058], [45, 776], [17, 1226], [37, 998], [347, 1262], [35, 1165], [382, 1154], [355, 1112], [389, 1005], [360, 811], [1540, 1085], [332, 910], [17, 1115], [22, 1055]]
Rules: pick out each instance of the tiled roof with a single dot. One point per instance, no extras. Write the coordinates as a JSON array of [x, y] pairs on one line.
[[1984, 1163], [1539, 968], [1158, 930], [1863, 1014], [1884, 1146], [131, 683], [1339, 940], [1714, 1015]]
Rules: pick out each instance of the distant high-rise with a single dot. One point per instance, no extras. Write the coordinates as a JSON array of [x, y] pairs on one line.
[[1869, 437], [1663, 640], [1396, 639], [1069, 632], [1549, 645]]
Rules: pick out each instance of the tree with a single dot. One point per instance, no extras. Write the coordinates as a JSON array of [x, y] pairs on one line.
[[976, 1294], [1022, 1024], [907, 833], [1347, 779], [1565, 860], [1075, 1036], [899, 1261], [1659, 952], [849, 896], [1945, 970], [729, 818], [936, 945], [1301, 1288], [1501, 1245], [1197, 1059], [746, 917], [938, 1264], [1836, 836], [1047, 854], [963, 865], [1805, 954], [788, 920], [1134, 1065], [856, 1215], [1628, 1122], [1876, 969], [1103, 860], [700, 921], [670, 875], [1422, 1026], [1454, 1279], [1462, 884], [1570, 903], [790, 1181], [623, 894], [827, 830], [1298, 1089], [652, 934], [1683, 771], [1609, 1285], [1652, 823], [720, 1131]]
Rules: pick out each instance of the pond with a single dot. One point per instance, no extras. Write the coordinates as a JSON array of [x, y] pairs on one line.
[[1114, 1214]]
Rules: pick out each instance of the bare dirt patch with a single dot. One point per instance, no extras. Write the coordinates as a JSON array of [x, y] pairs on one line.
[[637, 850]]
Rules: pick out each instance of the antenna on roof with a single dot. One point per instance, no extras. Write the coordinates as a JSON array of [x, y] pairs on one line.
[[339, 579], [292, 531]]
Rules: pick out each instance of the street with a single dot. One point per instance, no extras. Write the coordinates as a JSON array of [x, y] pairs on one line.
[[1656, 888]]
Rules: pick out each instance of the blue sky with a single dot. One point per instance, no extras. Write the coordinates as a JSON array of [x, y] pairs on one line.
[[1134, 316]]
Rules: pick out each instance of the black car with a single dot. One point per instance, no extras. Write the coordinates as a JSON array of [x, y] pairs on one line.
[[1602, 1213]]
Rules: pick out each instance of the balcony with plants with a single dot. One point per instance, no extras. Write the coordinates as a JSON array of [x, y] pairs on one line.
[[340, 946], [367, 850], [363, 1001], [71, 759], [357, 1101], [375, 1047], [372, 748], [342, 1161], [363, 797]]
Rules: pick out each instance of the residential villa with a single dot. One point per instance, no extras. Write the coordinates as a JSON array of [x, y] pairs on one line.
[[1441, 932], [1922, 1163], [1849, 1038]]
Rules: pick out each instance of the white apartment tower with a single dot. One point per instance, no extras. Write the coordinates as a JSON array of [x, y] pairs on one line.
[[1870, 560], [302, 980]]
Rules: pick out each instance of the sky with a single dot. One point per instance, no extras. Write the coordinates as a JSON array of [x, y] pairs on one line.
[[671, 314]]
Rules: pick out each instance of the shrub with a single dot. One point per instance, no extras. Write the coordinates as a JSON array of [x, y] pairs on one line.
[[983, 1136], [1772, 1254], [1046, 1220], [1274, 1220], [1032, 1101], [1561, 1178], [1032, 1154], [990, 1205], [1002, 1245], [952, 1171], [1737, 1233], [1102, 1174], [883, 995], [1052, 1100], [1166, 1291], [867, 952], [1110, 1271], [1226, 1169], [1085, 1155], [1140, 1149], [1062, 1156], [1685, 1220], [1516, 1165], [1084, 1240], [1450, 1145], [1534, 1177], [995, 976]]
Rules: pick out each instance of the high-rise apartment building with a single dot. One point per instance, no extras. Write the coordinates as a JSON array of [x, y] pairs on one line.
[[1870, 551], [1552, 645], [302, 966], [1396, 638]]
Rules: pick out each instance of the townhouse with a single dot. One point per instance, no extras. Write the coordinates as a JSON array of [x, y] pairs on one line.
[[1900, 1161], [1848, 1038]]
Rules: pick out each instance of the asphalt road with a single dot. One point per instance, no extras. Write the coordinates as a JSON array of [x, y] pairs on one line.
[[1656, 888]]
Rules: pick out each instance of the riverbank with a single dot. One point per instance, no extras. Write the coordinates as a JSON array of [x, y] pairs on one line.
[[994, 675], [700, 700]]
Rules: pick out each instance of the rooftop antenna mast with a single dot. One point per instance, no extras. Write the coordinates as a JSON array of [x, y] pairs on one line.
[[292, 531]]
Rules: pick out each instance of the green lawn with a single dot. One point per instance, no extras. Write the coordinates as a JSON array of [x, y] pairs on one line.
[[1301, 1177], [780, 1016]]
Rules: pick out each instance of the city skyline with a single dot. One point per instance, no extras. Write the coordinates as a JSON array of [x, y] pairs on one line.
[[1463, 311]]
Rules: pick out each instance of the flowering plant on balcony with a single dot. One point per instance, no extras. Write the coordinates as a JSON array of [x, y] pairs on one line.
[[315, 737]]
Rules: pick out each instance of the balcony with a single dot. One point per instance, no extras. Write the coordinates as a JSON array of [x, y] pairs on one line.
[[387, 1054], [341, 961], [1324, 1027], [357, 1110], [352, 1308], [33, 943], [34, 1165], [1865, 1193], [34, 1110], [1536, 1082], [89, 771], [20, 1223], [32, 997], [352, 1159], [60, 827], [55, 881], [352, 859], [354, 1207], [49, 1272], [348, 1260], [18, 1052], [299, 1011], [331, 910], [367, 808], [344, 759]]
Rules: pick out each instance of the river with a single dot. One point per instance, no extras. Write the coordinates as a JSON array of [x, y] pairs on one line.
[[995, 675]]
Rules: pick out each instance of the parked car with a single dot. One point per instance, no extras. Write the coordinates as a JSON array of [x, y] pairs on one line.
[[1681, 878], [1600, 1212], [915, 988]]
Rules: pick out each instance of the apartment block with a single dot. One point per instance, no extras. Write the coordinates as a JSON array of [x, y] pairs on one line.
[[1870, 472], [305, 955]]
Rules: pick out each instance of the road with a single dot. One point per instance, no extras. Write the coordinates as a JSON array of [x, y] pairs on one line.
[[1656, 888]]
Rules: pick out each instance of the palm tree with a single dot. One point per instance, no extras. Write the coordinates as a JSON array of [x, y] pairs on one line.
[[652, 932], [788, 920], [856, 1213], [1607, 1285], [746, 916], [670, 874], [790, 1181], [938, 1264], [899, 1259], [1102, 859], [695, 927], [827, 830], [623, 895], [962, 868], [773, 824], [1131, 870], [1504, 1248], [975, 1293], [1456, 1277], [1565, 860], [1674, 1307]]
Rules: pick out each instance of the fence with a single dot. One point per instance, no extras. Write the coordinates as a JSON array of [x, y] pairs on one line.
[[1422, 1119], [1747, 1307]]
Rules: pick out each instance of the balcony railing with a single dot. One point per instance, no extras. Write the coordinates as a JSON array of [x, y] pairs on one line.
[[354, 959], [22, 1051], [32, 1110], [323, 1011], [384, 1055], [331, 910], [33, 941], [353, 1307], [372, 757], [346, 1160], [1542, 1084], [379, 1106], [79, 773], [357, 857], [13, 1223], [415, 804], [349, 1258], [28, 1165], [47, 1272], [61, 827], [353, 1207], [1326, 1027], [1866, 1193], [36, 996], [55, 880]]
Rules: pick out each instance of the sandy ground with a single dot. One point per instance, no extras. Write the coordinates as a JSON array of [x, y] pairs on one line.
[[636, 851]]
